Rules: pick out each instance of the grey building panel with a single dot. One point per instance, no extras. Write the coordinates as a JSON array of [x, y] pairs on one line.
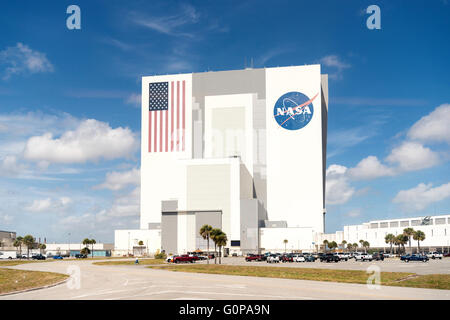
[[324, 93], [154, 226], [275, 224], [249, 225], [169, 205], [169, 232], [213, 218], [222, 83]]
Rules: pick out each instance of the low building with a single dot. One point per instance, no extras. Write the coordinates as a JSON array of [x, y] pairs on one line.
[[66, 249], [7, 239], [436, 229]]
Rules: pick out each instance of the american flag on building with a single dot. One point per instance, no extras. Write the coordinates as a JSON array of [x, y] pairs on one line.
[[167, 116]]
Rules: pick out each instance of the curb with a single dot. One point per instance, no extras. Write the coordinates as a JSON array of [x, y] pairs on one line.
[[33, 289]]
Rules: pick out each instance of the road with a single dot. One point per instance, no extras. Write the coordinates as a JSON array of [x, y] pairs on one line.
[[138, 282]]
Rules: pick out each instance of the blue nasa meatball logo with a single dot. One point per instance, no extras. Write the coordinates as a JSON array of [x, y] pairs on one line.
[[293, 110]]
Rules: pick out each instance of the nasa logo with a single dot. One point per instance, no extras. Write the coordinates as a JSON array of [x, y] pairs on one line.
[[293, 110]]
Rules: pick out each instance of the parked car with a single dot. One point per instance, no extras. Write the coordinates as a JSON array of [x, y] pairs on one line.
[[309, 258], [58, 257], [299, 258], [253, 257], [38, 257], [234, 254], [341, 256], [363, 257], [8, 255], [329, 257], [447, 254], [287, 258], [170, 258], [183, 258], [414, 257], [434, 255], [80, 256], [378, 256], [273, 258]]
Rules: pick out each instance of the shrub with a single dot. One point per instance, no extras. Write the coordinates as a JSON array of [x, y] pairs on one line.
[[160, 255]]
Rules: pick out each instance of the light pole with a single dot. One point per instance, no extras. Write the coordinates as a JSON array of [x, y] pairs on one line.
[[128, 242], [69, 243]]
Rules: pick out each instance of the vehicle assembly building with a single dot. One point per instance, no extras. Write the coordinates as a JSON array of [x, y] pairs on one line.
[[242, 150]]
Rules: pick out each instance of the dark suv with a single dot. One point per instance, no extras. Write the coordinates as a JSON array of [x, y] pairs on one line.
[[329, 257], [377, 256], [80, 256]]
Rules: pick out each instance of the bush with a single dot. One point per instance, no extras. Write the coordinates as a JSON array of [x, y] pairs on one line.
[[161, 255]]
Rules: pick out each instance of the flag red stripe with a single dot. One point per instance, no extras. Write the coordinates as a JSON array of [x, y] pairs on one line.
[[155, 132], [178, 115], [160, 130], [166, 113], [184, 114], [172, 106], [149, 131]]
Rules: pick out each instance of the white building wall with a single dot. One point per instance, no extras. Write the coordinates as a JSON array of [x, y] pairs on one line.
[[294, 157], [124, 240], [163, 166], [298, 239], [436, 235]]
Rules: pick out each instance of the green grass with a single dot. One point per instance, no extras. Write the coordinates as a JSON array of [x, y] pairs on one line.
[[440, 281], [7, 263], [130, 262], [16, 280]]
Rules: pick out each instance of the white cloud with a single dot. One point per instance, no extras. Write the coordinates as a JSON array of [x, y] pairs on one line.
[[419, 197], [171, 24], [338, 190], [90, 141], [354, 213], [9, 166], [410, 156], [134, 99], [49, 204], [127, 205], [370, 168], [119, 180], [23, 60], [333, 61], [434, 127]]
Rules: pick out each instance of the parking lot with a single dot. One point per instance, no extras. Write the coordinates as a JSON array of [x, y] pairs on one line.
[[388, 265]]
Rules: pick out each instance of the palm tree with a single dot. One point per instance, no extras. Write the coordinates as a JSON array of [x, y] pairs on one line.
[[215, 233], [409, 232], [332, 245], [20, 239], [205, 232], [389, 238], [285, 241], [141, 243], [366, 245], [87, 242], [325, 245], [401, 239], [92, 245], [28, 241], [17, 244], [221, 241], [343, 243], [355, 246], [419, 236], [42, 247]]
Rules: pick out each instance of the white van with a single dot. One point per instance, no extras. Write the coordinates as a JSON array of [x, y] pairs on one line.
[[8, 255]]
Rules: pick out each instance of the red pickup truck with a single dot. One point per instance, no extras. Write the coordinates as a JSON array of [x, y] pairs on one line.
[[254, 257], [184, 258]]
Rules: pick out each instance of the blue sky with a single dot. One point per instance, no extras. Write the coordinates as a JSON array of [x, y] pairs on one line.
[[65, 95]]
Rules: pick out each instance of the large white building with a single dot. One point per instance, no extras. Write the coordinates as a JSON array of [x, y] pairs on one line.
[[243, 150], [436, 229]]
